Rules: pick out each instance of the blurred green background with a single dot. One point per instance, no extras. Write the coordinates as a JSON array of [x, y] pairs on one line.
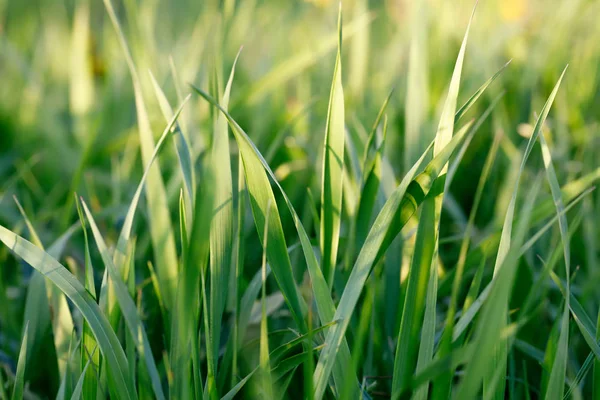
[[68, 123]]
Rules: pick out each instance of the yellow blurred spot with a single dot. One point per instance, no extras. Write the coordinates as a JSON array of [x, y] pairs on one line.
[[319, 3], [512, 10]]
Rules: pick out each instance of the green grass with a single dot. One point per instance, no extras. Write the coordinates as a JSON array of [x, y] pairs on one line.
[[299, 200]]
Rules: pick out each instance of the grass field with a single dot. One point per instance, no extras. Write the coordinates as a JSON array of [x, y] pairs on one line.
[[267, 199]]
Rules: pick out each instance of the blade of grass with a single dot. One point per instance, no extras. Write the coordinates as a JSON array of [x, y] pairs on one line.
[[221, 230], [127, 305], [17, 393], [265, 361], [333, 167]]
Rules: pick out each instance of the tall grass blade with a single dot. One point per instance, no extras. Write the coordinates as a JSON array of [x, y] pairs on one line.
[[17, 393], [333, 167]]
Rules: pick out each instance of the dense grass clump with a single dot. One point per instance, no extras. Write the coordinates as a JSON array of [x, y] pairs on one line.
[[399, 207]]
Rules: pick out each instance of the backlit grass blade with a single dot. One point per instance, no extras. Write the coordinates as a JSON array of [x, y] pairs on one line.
[[221, 230], [161, 230], [556, 384], [128, 307], [333, 168], [17, 393], [183, 148], [443, 136], [118, 370], [465, 107]]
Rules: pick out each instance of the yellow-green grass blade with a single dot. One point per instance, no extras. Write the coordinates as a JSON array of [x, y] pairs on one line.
[[181, 144], [221, 230], [397, 210], [17, 393], [266, 383], [324, 302], [443, 136], [128, 307], [161, 230], [117, 366], [333, 168], [260, 192]]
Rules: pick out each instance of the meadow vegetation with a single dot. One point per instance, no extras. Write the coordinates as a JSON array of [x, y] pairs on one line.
[[299, 200]]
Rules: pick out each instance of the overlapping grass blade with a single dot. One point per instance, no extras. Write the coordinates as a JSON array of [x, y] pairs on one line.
[[325, 307], [118, 370], [396, 211], [260, 194], [161, 230]]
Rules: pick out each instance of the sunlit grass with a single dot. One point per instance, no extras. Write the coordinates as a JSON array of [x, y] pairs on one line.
[[346, 200]]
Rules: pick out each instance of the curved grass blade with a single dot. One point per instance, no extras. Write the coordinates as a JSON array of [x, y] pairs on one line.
[[117, 366]]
